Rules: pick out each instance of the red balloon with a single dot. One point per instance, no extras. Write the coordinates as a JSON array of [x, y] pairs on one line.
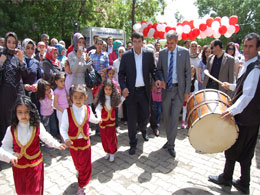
[[179, 24], [161, 35], [191, 36], [209, 21], [156, 35], [237, 28], [167, 28], [222, 29], [184, 36], [185, 22], [143, 22], [202, 27], [173, 28], [145, 31], [218, 19], [154, 25], [233, 20], [195, 32], [191, 23]]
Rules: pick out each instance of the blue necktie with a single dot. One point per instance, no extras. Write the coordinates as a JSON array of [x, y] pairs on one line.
[[169, 84]]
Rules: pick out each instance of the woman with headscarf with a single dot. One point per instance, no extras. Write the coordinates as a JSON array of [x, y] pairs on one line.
[[12, 68], [61, 57], [34, 71], [78, 63], [114, 55], [51, 64]]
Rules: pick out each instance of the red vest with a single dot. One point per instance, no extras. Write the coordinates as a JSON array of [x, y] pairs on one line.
[[31, 153], [108, 117], [75, 129]]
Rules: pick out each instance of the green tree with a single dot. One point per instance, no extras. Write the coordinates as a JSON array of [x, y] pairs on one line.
[[246, 10]]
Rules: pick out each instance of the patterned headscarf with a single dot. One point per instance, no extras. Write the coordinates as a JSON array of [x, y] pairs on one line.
[[116, 45], [49, 56], [76, 38]]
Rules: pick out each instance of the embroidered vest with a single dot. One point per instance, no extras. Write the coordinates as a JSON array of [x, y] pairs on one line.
[[108, 117], [31, 153]]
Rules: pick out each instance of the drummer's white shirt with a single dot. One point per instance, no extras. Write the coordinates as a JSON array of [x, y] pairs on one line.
[[249, 88]]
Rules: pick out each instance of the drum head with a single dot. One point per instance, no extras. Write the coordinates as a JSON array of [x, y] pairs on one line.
[[212, 134]]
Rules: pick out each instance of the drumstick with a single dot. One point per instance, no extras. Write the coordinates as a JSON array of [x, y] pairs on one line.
[[206, 72]]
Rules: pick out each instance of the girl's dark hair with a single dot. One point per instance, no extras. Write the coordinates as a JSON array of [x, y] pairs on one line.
[[56, 77], [101, 98], [42, 88], [232, 45], [203, 55], [78, 88], [195, 74], [110, 68], [34, 114]]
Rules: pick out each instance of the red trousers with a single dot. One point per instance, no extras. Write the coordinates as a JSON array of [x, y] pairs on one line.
[[82, 160], [29, 180], [108, 139]]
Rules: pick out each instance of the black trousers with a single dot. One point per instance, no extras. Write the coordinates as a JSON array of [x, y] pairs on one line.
[[243, 152], [137, 112]]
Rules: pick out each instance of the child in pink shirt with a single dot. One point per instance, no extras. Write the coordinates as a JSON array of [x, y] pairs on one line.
[[157, 103]]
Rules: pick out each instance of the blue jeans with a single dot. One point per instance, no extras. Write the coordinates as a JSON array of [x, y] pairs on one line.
[[50, 124], [157, 106]]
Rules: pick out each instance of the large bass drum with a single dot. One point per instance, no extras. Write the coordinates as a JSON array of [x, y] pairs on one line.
[[209, 133]]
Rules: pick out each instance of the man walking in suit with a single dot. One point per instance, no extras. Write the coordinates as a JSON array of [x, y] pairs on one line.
[[221, 66], [174, 65], [246, 111], [134, 78]]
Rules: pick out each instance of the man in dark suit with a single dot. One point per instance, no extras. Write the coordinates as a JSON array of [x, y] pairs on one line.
[[174, 65], [246, 111], [134, 78], [221, 66]]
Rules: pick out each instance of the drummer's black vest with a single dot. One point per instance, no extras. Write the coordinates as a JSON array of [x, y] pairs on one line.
[[251, 114]]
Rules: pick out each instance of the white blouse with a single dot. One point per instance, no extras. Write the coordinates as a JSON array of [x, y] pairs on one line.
[[79, 116], [24, 134], [6, 156]]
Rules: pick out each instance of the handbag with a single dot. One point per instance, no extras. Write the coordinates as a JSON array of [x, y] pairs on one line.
[[92, 78]]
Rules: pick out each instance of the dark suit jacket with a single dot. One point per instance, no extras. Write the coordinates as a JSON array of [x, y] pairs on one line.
[[226, 73], [127, 72], [183, 70]]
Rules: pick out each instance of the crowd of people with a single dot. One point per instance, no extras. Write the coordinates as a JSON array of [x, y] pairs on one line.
[[43, 94]]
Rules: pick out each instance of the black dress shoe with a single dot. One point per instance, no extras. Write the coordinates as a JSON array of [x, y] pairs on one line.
[[165, 145], [240, 186], [145, 136], [132, 150], [156, 132], [172, 152], [220, 180]]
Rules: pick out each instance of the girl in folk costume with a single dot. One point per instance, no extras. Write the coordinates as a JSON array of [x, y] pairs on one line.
[[22, 139], [75, 131], [107, 101]]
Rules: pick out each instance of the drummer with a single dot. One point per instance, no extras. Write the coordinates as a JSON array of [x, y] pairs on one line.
[[246, 110]]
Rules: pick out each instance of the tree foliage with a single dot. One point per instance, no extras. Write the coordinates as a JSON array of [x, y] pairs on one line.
[[31, 18], [246, 10]]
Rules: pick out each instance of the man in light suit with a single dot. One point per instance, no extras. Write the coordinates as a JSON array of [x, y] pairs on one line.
[[221, 66], [136, 66], [174, 65]]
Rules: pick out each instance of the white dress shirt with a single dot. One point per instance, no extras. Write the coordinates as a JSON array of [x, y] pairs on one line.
[[174, 72], [24, 134], [6, 156], [249, 88], [79, 116], [139, 82]]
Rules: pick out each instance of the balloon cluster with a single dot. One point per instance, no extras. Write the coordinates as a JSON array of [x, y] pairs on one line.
[[191, 29]]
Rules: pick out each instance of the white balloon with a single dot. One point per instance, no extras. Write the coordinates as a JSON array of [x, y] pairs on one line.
[[179, 30], [163, 27], [215, 26], [159, 27], [150, 34], [203, 35], [137, 27], [225, 21], [152, 30], [231, 29], [186, 28], [208, 31], [216, 35], [227, 35], [150, 22]]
